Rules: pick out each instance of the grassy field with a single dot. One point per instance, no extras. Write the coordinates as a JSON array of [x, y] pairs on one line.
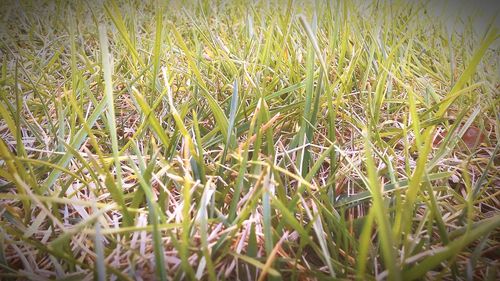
[[248, 140]]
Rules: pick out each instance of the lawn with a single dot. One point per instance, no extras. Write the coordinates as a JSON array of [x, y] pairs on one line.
[[248, 140]]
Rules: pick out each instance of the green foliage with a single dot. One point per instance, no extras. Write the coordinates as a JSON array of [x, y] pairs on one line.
[[247, 140]]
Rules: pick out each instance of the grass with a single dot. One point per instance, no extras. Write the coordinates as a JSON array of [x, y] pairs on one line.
[[247, 140]]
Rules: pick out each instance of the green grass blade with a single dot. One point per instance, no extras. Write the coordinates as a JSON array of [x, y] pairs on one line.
[[380, 214], [437, 257]]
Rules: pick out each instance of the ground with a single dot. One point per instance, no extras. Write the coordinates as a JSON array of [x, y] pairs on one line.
[[248, 140]]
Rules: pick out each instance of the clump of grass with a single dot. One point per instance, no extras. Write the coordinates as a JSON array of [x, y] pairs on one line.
[[247, 141]]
